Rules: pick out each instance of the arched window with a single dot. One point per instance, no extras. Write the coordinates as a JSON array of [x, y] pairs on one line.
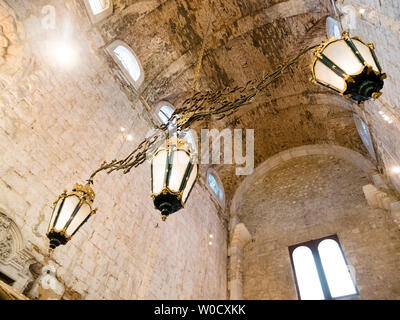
[[321, 270], [307, 274], [164, 113], [128, 62], [99, 9], [335, 268], [215, 185]]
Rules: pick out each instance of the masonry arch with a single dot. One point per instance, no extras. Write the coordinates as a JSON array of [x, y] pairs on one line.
[[340, 152]]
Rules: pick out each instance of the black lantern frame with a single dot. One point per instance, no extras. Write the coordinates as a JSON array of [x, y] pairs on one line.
[[359, 86], [67, 218], [169, 200]]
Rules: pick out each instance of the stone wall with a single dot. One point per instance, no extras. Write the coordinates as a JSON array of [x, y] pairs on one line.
[[308, 198], [57, 124], [379, 22]]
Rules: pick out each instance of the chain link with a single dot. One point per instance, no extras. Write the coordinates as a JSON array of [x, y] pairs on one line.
[[200, 106]]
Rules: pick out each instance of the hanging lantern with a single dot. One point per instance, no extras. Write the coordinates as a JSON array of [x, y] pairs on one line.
[[350, 67], [70, 212], [173, 174]]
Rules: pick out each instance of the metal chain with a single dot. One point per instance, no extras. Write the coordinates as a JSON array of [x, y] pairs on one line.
[[200, 106]]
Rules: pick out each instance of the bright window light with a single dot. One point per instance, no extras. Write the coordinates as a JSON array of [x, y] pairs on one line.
[[212, 181], [336, 271], [365, 134], [165, 113], [128, 60], [98, 6], [306, 273], [321, 270]]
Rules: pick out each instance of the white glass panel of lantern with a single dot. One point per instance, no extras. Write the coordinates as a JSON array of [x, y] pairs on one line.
[[128, 60], [159, 163], [180, 162], [54, 215], [306, 274], [341, 54], [98, 6], [366, 53], [336, 271], [189, 184], [68, 208], [80, 216], [327, 76]]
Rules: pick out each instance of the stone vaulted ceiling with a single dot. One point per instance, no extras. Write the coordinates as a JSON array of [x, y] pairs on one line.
[[246, 38]]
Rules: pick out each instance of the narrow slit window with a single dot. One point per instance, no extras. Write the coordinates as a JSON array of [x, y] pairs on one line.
[[321, 271], [215, 186], [365, 135]]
